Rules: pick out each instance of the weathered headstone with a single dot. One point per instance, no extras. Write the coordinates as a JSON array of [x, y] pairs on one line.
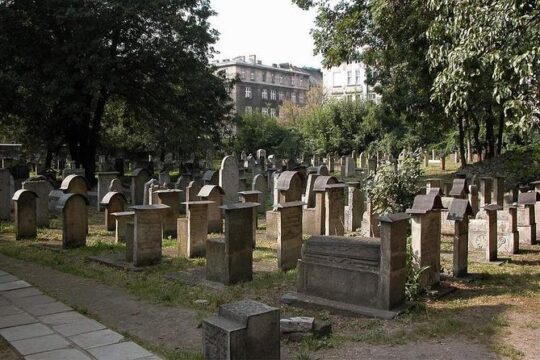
[[334, 207], [426, 237], [459, 212], [355, 207], [25, 214], [121, 219], [42, 188], [148, 189], [289, 234], [139, 177], [215, 194], [230, 260], [210, 177], [193, 229], [74, 210], [526, 218], [104, 181], [113, 202], [498, 190], [170, 198], [323, 170], [75, 184], [460, 189], [243, 330], [259, 184], [229, 178], [148, 234], [116, 186], [289, 187]]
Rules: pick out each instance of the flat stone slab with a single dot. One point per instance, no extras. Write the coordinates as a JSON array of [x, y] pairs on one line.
[[19, 284], [79, 327], [195, 277], [16, 320], [314, 302], [115, 261], [25, 332], [122, 351], [50, 247], [30, 301], [46, 309], [62, 354], [9, 310], [7, 278], [40, 344], [97, 338], [21, 293]]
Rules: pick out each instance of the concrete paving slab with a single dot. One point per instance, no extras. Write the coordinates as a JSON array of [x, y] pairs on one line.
[[3, 273], [97, 338], [123, 351], [19, 284], [9, 310], [21, 293], [62, 354], [68, 317], [7, 278], [25, 332], [30, 301], [40, 344], [46, 309], [16, 320], [80, 327]]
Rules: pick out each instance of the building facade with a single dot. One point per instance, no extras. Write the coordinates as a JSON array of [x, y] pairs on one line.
[[264, 88], [348, 81]]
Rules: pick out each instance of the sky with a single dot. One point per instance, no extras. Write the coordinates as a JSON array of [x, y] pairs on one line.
[[276, 31]]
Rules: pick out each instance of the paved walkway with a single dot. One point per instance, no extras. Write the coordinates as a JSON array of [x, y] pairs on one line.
[[40, 328]]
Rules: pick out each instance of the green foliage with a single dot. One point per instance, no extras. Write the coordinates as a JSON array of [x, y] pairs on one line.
[[64, 64], [413, 289], [258, 131], [393, 188]]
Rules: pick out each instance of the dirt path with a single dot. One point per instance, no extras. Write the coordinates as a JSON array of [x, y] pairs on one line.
[[170, 327]]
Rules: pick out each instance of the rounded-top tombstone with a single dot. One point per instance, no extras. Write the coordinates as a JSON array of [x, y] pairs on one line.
[[42, 188], [229, 179], [210, 177], [259, 184], [25, 214], [289, 186], [323, 170], [215, 194], [322, 181], [113, 202], [75, 184], [139, 177], [74, 209]]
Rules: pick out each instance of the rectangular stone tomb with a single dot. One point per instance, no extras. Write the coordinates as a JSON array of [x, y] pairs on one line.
[[121, 219], [193, 229], [354, 275], [148, 234], [230, 260], [243, 330]]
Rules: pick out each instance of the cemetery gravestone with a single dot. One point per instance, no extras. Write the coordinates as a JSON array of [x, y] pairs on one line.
[[193, 229], [25, 214], [229, 178], [148, 234], [355, 207], [289, 234], [334, 207], [113, 202], [210, 177], [75, 184], [122, 218], [170, 198], [259, 184], [74, 210], [139, 177], [459, 212], [42, 188], [148, 189], [215, 195], [104, 181], [526, 218]]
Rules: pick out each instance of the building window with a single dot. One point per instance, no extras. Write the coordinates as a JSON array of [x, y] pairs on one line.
[[264, 94], [252, 76], [292, 80], [273, 77], [301, 98], [264, 76], [243, 74], [281, 95], [335, 79], [358, 77], [264, 111], [349, 78], [248, 92], [248, 110], [272, 112], [273, 95], [293, 98]]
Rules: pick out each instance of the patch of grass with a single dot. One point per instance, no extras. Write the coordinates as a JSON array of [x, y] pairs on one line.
[[508, 351]]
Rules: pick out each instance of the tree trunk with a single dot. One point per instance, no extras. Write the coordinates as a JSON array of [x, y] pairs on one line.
[[500, 133], [476, 138], [462, 143]]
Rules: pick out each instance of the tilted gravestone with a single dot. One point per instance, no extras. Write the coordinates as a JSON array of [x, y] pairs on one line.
[[229, 179], [243, 330], [229, 260], [331, 267], [25, 214], [215, 195], [113, 202], [289, 234], [42, 188], [193, 229], [74, 210]]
